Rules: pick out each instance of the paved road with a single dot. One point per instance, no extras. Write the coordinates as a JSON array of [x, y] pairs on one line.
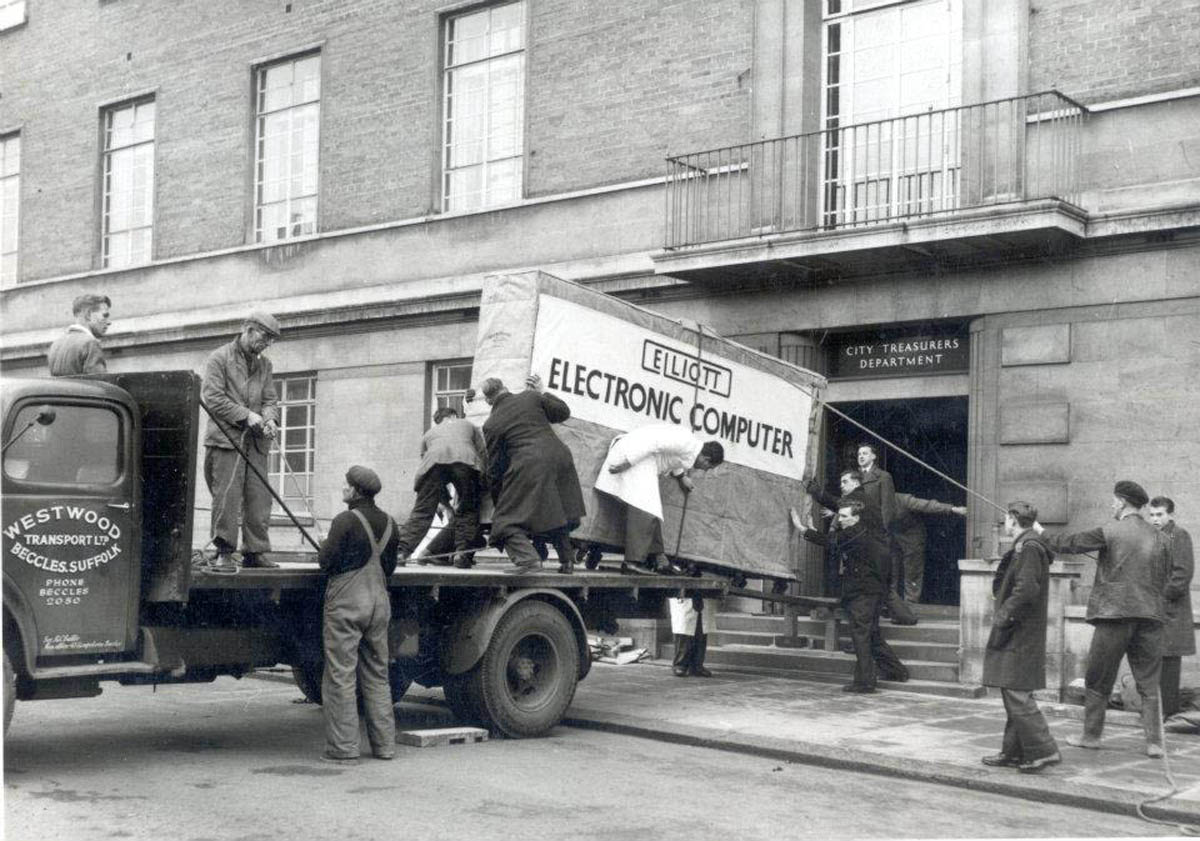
[[236, 761]]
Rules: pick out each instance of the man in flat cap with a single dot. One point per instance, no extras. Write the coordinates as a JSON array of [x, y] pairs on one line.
[[1125, 610], [239, 391], [359, 556], [78, 351]]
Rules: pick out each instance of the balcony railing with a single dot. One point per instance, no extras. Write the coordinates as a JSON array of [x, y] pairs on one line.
[[936, 162]]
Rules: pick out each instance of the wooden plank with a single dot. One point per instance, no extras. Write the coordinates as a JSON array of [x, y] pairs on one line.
[[441, 736]]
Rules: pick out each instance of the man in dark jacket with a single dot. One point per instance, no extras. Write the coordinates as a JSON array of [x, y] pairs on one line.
[[909, 530], [864, 559], [1015, 658], [1125, 611], [359, 556], [78, 351], [452, 453], [531, 474], [1179, 635], [239, 390]]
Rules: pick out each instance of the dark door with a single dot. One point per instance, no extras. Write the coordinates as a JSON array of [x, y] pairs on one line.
[[935, 430], [70, 525]]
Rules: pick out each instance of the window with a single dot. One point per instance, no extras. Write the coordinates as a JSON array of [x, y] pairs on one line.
[[287, 130], [12, 13], [450, 384], [10, 206], [903, 60], [128, 184], [81, 446], [484, 87], [290, 466]]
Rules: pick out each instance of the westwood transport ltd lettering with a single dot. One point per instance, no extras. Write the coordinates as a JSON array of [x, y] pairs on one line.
[[661, 404], [30, 544]]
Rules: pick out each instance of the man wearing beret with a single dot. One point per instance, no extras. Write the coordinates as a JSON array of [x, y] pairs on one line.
[[359, 556], [1125, 611], [239, 391]]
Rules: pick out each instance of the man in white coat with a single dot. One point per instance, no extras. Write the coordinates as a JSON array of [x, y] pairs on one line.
[[630, 474]]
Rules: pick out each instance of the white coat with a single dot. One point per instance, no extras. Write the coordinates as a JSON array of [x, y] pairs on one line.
[[652, 451], [683, 616]]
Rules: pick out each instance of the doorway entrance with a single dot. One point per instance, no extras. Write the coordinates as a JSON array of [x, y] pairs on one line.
[[934, 429]]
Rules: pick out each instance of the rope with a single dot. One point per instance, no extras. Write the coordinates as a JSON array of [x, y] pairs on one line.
[[1184, 828]]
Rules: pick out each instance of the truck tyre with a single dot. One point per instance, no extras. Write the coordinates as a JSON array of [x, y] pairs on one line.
[[464, 694], [308, 679], [10, 692], [529, 671]]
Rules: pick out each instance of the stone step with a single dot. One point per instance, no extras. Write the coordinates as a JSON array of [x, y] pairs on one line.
[[810, 661], [937, 652], [935, 631]]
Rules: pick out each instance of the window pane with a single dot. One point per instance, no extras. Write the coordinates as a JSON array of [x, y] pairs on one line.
[[288, 145], [81, 446]]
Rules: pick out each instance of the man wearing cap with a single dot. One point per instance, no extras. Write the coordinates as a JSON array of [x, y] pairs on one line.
[[1125, 611], [78, 351], [359, 556], [239, 391]]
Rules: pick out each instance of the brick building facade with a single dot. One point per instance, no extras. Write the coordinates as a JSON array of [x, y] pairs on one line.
[[1054, 237]]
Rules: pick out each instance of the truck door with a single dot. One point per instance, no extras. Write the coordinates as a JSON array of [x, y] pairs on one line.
[[70, 523]]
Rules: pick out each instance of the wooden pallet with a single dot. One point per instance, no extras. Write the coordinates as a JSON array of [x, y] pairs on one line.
[[441, 736]]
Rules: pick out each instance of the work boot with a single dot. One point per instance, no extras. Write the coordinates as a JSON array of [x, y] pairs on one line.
[[1001, 760], [464, 560], [1033, 766], [223, 564], [1094, 705], [257, 560]]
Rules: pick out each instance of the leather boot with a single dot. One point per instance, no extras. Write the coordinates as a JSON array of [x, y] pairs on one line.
[[1094, 705]]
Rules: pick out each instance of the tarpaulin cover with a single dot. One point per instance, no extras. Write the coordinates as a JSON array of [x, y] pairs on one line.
[[619, 366]]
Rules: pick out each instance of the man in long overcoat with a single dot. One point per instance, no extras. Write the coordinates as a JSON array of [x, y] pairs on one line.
[[864, 558], [531, 474], [880, 492], [1015, 657], [1125, 611], [1179, 634]]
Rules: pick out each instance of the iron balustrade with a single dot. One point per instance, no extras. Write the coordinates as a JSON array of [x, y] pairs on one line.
[[935, 162]]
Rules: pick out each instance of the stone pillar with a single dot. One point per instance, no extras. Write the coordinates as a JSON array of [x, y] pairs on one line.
[[976, 608]]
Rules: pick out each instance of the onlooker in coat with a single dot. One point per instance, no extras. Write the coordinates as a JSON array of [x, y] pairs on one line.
[[78, 350], [359, 556], [1125, 611], [690, 629], [239, 390], [1015, 657], [452, 453], [910, 538], [1179, 636], [531, 474], [880, 492], [864, 559], [630, 474]]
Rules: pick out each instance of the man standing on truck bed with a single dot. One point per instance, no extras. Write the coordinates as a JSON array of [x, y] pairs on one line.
[[531, 474], [630, 473], [358, 556], [240, 393], [78, 350]]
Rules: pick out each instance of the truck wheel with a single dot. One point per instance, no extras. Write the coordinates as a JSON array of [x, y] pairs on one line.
[[529, 671], [464, 694], [10, 692], [308, 679]]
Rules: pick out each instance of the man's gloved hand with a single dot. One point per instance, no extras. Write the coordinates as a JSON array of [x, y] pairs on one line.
[[271, 430], [686, 484]]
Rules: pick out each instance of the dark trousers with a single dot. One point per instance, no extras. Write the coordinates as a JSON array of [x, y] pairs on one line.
[[1169, 684], [870, 649], [238, 496], [431, 491], [690, 650], [529, 550], [1026, 733], [643, 535], [1141, 640]]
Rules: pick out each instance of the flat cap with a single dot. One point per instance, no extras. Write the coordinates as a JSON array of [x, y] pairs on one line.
[[1132, 492], [264, 320], [364, 479]]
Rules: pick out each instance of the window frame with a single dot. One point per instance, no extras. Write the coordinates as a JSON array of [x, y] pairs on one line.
[[38, 486], [445, 198], [433, 392], [259, 70], [5, 138], [106, 152], [279, 449]]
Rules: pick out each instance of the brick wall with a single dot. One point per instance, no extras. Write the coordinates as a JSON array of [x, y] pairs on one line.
[[611, 87], [1097, 50]]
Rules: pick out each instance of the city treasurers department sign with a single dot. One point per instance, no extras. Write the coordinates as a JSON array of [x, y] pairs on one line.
[[882, 355]]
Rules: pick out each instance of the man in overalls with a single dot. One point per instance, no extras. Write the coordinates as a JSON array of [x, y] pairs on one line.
[[359, 556]]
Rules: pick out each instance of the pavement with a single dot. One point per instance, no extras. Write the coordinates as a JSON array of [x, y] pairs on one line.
[[894, 733]]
